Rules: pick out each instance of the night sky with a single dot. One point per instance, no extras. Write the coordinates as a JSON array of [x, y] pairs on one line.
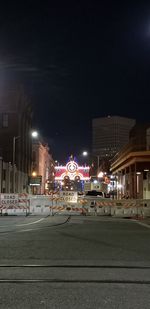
[[77, 60]]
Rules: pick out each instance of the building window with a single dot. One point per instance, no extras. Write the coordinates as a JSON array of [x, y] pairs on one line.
[[5, 120]]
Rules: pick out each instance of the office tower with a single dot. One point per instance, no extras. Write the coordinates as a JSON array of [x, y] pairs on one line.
[[109, 135]]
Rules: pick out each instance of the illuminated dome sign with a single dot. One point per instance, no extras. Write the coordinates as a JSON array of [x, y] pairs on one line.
[[73, 171]]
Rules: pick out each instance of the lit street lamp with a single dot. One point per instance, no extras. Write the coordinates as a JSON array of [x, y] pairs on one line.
[[85, 154], [34, 174], [34, 134], [100, 175]]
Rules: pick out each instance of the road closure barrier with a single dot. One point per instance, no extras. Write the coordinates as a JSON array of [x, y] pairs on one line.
[[12, 204], [54, 204]]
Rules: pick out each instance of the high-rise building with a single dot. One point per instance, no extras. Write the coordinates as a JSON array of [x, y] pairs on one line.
[[109, 135]]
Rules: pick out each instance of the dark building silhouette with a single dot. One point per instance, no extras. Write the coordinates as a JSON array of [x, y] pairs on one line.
[[15, 130]]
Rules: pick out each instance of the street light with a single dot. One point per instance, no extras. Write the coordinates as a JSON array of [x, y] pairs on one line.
[[34, 174], [13, 163], [100, 175], [34, 134], [35, 137], [85, 154]]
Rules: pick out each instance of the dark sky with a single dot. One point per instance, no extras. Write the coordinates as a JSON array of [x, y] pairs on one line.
[[77, 60]]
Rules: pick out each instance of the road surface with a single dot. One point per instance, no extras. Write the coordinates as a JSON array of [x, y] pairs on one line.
[[74, 262]]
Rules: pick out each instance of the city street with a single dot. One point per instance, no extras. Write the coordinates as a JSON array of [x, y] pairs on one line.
[[74, 262]]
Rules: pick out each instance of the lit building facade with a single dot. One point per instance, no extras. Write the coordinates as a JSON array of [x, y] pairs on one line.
[[71, 176], [43, 166]]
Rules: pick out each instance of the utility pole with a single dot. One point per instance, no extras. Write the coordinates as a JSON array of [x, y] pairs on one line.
[[14, 159], [1, 173], [97, 162]]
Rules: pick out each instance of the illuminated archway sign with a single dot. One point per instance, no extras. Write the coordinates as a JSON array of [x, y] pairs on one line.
[[73, 171]]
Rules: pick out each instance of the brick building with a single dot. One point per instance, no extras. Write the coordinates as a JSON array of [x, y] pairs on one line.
[[42, 165]]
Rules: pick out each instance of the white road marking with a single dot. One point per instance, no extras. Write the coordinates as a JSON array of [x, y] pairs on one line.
[[34, 222], [27, 230], [143, 224]]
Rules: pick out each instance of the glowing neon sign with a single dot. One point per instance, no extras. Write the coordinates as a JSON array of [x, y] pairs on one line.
[[73, 171]]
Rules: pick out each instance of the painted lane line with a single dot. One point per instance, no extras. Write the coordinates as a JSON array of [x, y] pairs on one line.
[[27, 230], [75, 266], [143, 224], [34, 222], [103, 281]]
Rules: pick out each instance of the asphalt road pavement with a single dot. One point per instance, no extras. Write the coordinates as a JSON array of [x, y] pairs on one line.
[[74, 262]]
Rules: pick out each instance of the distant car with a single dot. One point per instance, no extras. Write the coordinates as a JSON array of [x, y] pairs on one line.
[[80, 193], [107, 195], [95, 193]]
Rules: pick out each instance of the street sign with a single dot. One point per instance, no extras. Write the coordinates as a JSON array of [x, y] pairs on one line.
[[9, 200], [69, 196]]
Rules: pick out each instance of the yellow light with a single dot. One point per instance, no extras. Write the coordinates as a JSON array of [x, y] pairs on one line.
[[34, 174], [100, 175]]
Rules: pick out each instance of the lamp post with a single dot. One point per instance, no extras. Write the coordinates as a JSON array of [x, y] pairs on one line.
[[85, 154], [34, 135], [14, 159], [1, 174]]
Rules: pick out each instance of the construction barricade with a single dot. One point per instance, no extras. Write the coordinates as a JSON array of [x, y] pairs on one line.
[[53, 205], [14, 204], [95, 206], [24, 204], [124, 208]]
